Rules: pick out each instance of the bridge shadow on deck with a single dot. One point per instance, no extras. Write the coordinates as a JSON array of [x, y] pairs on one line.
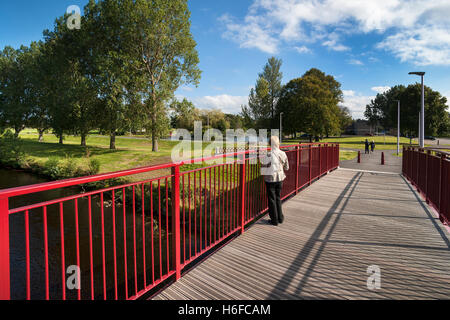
[[334, 231], [304, 253]]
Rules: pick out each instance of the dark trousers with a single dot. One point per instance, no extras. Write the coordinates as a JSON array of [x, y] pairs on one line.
[[274, 195]]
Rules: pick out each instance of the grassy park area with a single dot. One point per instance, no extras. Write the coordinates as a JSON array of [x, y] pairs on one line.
[[131, 152]]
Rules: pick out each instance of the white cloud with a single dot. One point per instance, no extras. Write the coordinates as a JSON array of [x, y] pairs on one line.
[[415, 31], [380, 89], [302, 49], [356, 62], [253, 34], [428, 45], [224, 102], [356, 103]]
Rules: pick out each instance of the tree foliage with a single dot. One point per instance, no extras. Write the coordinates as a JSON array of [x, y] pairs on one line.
[[311, 104], [383, 110], [116, 73], [263, 99]]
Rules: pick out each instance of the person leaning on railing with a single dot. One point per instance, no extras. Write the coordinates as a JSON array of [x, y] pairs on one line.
[[273, 166]]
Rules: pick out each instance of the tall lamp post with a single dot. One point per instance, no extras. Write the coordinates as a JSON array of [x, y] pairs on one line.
[[422, 112], [281, 127], [398, 126]]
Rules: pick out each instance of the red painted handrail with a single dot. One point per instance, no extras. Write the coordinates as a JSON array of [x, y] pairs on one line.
[[429, 171], [208, 205]]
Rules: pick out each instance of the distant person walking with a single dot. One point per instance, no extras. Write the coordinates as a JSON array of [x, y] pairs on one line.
[[372, 145], [367, 146], [273, 166]]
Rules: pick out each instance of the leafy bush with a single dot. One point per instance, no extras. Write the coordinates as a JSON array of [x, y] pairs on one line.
[[52, 168], [69, 168], [11, 149], [94, 166]]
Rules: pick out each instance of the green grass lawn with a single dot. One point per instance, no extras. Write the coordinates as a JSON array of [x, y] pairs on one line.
[[347, 155], [130, 153]]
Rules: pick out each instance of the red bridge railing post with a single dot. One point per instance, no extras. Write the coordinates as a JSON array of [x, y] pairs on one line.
[[242, 185], [441, 173], [176, 246], [296, 168], [5, 293], [310, 164]]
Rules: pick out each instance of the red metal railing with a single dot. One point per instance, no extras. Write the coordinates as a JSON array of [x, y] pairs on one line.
[[429, 172], [128, 239]]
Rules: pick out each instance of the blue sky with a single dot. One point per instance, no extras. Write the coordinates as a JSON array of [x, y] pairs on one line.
[[366, 45]]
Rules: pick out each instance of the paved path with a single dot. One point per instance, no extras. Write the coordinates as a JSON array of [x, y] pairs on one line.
[[372, 162], [334, 230]]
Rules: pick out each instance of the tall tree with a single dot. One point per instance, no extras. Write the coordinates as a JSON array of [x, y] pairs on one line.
[[258, 109], [310, 104], [163, 53], [273, 76], [14, 89], [383, 109], [263, 99]]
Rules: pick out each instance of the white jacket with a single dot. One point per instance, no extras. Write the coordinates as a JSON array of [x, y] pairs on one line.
[[273, 166]]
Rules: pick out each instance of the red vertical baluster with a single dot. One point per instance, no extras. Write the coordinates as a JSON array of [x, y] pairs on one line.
[[215, 204], [63, 263], [159, 228], [236, 196], [184, 223], [228, 199], [114, 243], [125, 243], [195, 213], [200, 199], [5, 282], [206, 210], [103, 245], [27, 254], [223, 201], [91, 251], [310, 164], [176, 221], [167, 227], [151, 233], [77, 232], [297, 171], [210, 215], [190, 218], [242, 211], [143, 236], [134, 241], [47, 291]]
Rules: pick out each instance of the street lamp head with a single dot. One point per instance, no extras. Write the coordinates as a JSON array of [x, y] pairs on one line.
[[418, 73]]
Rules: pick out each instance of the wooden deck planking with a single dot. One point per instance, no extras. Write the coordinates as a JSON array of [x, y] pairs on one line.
[[333, 231]]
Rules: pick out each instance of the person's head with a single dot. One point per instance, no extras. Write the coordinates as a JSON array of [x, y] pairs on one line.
[[275, 142]]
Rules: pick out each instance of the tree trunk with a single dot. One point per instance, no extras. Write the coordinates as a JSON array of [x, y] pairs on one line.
[[17, 132], [61, 139], [41, 135], [154, 135], [112, 141], [83, 140]]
